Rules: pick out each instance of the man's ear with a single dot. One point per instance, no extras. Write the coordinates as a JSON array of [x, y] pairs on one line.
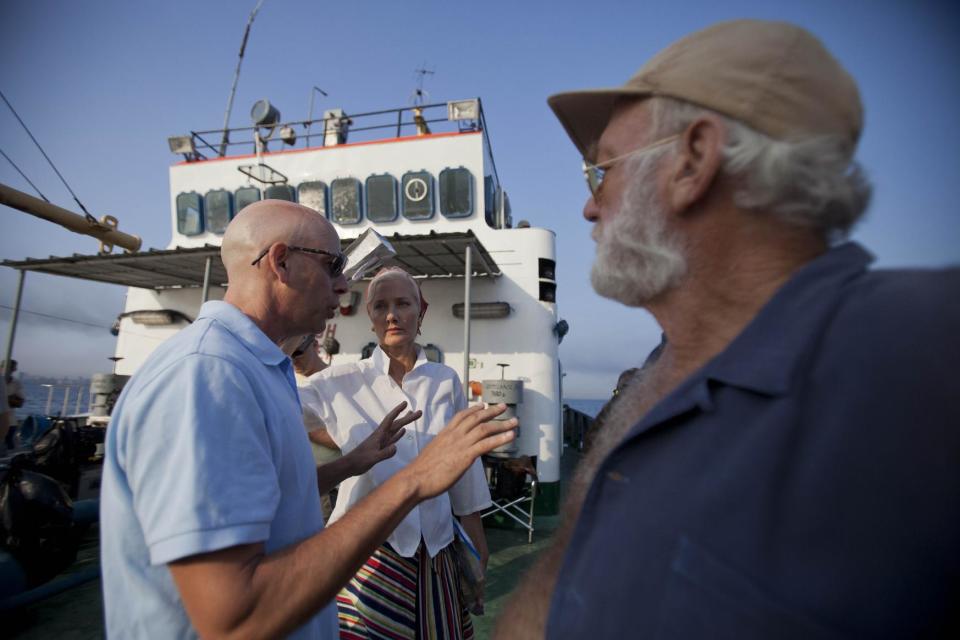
[[277, 260], [697, 162]]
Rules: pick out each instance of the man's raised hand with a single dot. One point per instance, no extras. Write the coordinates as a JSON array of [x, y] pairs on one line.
[[382, 443], [470, 434]]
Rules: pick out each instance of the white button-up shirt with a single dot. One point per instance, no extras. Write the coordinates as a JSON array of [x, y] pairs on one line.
[[352, 399]]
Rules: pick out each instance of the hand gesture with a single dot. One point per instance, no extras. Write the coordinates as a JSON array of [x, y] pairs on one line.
[[382, 443], [470, 434]]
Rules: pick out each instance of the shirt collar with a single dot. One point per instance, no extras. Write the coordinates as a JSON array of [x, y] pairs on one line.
[[381, 361], [767, 354], [244, 329]]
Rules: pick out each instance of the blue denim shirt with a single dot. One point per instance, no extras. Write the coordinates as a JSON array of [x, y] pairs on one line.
[[804, 484]]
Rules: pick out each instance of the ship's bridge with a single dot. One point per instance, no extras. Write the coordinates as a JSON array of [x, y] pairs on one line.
[[407, 172]]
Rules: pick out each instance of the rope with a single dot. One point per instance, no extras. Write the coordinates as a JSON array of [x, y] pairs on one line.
[[22, 124], [23, 175]]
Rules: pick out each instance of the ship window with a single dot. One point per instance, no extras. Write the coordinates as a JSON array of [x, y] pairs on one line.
[[547, 268], [313, 195], [190, 214], [490, 201], [548, 291], [417, 187], [244, 196], [345, 200], [280, 192], [456, 193], [382, 198], [218, 207]]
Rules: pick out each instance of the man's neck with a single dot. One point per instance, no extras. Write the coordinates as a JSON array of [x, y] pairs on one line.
[[718, 298], [260, 312]]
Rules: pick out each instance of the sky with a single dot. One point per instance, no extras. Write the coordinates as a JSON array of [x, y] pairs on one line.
[[103, 84]]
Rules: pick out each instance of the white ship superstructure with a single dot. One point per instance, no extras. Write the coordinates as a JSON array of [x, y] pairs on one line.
[[435, 195]]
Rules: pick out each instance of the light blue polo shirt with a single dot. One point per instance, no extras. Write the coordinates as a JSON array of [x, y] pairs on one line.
[[206, 450]]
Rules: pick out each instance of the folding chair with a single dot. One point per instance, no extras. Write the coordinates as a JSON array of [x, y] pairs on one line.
[[513, 488]]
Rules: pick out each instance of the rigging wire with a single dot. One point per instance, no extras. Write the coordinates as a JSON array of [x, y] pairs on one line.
[[47, 315], [88, 324], [23, 175], [23, 124]]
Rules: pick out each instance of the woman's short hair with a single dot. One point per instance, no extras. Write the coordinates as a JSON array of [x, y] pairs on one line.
[[387, 271]]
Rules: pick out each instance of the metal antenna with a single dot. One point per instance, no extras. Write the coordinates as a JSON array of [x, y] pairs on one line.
[[236, 77], [419, 95]]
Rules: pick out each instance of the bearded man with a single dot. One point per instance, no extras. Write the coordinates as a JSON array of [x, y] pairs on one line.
[[787, 464]]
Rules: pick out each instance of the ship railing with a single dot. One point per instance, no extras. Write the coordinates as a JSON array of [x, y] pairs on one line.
[[576, 425], [61, 398], [314, 133]]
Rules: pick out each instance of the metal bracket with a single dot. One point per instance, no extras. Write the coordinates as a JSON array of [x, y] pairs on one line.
[[262, 173]]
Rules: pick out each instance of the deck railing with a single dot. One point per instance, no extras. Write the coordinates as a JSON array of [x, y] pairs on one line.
[[360, 127]]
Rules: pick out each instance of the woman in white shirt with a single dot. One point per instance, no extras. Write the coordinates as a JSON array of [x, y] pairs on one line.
[[409, 587]]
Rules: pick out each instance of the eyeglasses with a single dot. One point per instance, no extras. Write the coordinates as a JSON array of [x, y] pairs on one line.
[[337, 263], [594, 173]]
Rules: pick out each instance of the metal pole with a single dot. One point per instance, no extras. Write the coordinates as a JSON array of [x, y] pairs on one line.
[[310, 114], [66, 399], [236, 77], [206, 279], [67, 219], [12, 331], [467, 273], [46, 411]]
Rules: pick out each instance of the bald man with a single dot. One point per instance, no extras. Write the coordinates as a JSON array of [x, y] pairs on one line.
[[210, 515]]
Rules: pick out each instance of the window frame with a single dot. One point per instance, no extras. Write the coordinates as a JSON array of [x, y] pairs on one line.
[[236, 197], [430, 195], [470, 193], [396, 198], [293, 192], [359, 209], [326, 196], [200, 213], [206, 211]]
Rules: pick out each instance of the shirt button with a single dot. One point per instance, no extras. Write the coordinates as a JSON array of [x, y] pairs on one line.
[[616, 476]]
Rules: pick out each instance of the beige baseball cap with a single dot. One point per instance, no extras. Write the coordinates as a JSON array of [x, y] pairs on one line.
[[772, 76]]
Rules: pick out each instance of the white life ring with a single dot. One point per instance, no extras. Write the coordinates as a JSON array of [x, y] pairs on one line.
[[415, 189]]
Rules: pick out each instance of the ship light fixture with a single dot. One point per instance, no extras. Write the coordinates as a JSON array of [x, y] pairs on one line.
[[483, 310], [151, 318], [182, 144], [156, 317], [463, 110]]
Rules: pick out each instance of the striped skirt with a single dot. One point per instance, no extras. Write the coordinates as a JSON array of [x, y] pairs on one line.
[[404, 598]]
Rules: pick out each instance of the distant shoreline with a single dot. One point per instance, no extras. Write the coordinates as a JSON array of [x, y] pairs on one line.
[[37, 394]]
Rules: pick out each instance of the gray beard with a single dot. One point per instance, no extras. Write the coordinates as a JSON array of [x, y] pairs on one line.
[[637, 260]]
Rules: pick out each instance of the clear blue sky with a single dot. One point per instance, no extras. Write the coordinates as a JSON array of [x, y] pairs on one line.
[[102, 85]]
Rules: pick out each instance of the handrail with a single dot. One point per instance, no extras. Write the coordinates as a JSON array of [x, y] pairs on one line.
[[202, 138]]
